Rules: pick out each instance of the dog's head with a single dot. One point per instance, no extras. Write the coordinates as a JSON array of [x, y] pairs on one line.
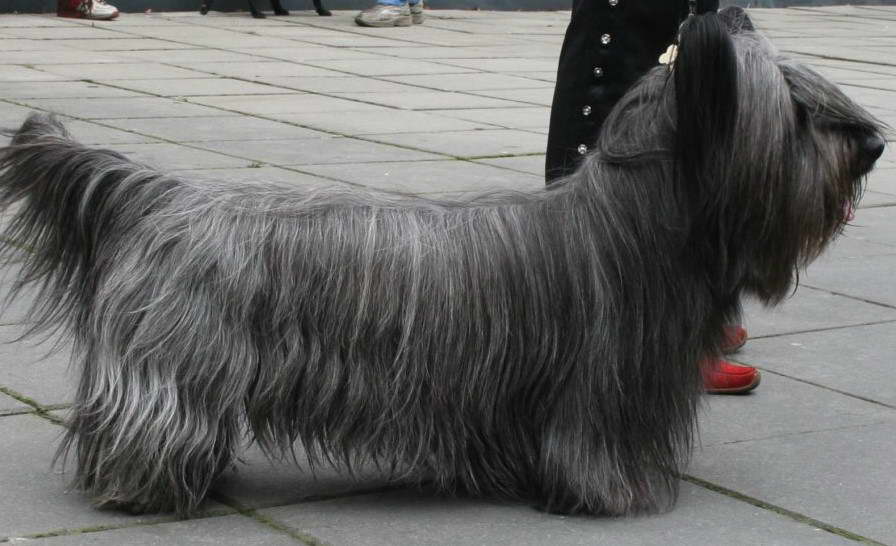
[[767, 156]]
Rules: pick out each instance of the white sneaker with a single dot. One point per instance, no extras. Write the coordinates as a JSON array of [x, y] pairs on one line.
[[99, 9], [416, 12], [382, 15]]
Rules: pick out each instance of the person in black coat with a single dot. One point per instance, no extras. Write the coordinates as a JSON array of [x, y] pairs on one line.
[[609, 44]]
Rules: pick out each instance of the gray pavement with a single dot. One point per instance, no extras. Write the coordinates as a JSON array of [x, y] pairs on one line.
[[460, 103]]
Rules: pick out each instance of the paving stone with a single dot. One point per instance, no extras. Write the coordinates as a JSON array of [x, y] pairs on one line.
[[36, 498], [429, 100], [341, 84], [13, 73], [126, 44], [283, 104], [263, 68], [120, 71], [495, 142], [32, 370], [59, 90], [12, 115], [380, 121], [233, 529], [318, 151], [90, 133], [780, 407], [811, 309], [541, 96], [387, 67], [62, 33], [408, 517], [187, 56], [224, 128], [842, 477], [532, 164], [429, 176], [257, 174], [199, 87], [512, 118], [169, 157], [855, 360], [9, 404], [472, 82], [310, 52], [866, 278], [512, 65], [114, 108], [258, 481]]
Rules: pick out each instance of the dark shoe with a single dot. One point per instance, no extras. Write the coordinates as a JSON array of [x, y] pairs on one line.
[[723, 377]]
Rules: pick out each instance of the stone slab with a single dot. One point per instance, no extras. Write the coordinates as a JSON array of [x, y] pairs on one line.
[[224, 128], [494, 142], [340, 84], [388, 67], [318, 151], [856, 360], [60, 90], [234, 529], [263, 68], [519, 117], [9, 404], [267, 105], [35, 496], [810, 309], [257, 481], [429, 176], [409, 517], [867, 278], [530, 164], [429, 100], [169, 157], [781, 407], [472, 82], [30, 369], [380, 121], [199, 87], [257, 175], [116, 108], [842, 477]]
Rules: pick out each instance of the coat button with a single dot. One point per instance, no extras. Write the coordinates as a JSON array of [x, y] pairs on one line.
[[598, 72], [583, 149], [586, 111], [605, 39]]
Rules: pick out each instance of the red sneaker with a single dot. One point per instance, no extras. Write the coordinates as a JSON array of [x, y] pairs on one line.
[[723, 377], [735, 337]]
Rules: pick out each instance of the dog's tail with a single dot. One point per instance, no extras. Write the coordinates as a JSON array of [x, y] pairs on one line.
[[57, 198]]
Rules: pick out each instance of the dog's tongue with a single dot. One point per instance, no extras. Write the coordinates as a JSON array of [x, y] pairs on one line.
[[849, 211]]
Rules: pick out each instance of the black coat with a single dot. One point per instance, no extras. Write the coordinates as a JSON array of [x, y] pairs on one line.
[[609, 44]]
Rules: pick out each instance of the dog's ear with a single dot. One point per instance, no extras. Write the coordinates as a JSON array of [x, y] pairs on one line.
[[705, 79], [736, 19]]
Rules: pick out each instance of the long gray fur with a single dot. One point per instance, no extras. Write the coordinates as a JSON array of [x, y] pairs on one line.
[[531, 345]]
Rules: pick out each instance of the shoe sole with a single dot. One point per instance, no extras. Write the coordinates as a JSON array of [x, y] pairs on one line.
[[79, 15], [738, 390], [400, 22]]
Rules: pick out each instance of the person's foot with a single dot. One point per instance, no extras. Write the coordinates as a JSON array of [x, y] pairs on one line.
[[382, 15], [723, 377], [416, 12], [735, 337], [86, 9]]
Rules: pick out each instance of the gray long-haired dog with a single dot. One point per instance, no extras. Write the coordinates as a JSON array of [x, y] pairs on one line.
[[539, 345]]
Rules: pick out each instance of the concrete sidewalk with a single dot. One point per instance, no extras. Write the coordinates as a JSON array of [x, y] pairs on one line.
[[460, 103]]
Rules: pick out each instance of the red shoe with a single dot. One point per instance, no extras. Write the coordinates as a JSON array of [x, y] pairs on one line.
[[723, 377], [735, 337]]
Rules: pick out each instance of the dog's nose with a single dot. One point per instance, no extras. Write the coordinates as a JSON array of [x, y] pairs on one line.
[[873, 148]]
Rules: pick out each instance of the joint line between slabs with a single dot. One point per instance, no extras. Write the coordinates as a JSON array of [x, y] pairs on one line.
[[39, 410], [267, 521], [795, 516]]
